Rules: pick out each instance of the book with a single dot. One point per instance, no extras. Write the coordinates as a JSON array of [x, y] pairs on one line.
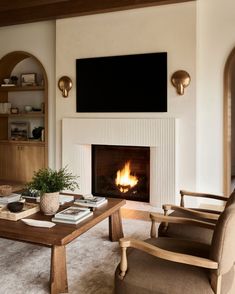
[[68, 221], [72, 213], [10, 198], [95, 202]]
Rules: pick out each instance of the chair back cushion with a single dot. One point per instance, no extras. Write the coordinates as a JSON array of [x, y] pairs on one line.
[[223, 241]]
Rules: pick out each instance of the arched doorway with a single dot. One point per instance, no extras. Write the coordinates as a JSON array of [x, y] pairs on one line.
[[229, 122]]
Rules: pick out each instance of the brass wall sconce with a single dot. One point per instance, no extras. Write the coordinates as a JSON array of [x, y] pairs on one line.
[[180, 80], [65, 84]]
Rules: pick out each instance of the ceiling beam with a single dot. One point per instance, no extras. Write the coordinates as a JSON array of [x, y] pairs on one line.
[[55, 9]]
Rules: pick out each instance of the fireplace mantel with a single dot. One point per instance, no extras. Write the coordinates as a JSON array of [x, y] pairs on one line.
[[78, 134]]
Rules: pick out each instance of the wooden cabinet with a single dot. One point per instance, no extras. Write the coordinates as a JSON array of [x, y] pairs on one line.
[[19, 161], [19, 158]]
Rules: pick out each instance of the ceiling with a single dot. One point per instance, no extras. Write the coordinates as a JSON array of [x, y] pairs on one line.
[[25, 11]]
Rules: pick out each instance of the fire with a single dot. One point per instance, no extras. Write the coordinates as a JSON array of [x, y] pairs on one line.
[[124, 180]]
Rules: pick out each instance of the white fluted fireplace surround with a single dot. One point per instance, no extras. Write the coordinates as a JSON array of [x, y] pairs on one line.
[[78, 134]]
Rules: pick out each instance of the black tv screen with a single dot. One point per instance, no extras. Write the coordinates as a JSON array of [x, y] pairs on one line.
[[129, 83]]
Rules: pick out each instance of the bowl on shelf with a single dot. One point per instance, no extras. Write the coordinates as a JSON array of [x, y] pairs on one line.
[[6, 81], [28, 108]]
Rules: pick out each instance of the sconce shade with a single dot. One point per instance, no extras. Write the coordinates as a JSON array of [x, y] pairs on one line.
[[180, 80], [65, 84]]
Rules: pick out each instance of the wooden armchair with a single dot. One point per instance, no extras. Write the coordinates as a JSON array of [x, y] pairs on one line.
[[191, 232], [174, 266]]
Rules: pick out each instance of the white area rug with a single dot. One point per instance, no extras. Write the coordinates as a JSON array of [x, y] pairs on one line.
[[91, 262]]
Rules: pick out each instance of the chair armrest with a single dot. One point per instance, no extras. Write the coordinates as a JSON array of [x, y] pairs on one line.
[[161, 253], [158, 217], [198, 194], [202, 214]]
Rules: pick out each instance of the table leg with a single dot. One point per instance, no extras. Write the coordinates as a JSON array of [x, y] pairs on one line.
[[115, 226], [58, 280]]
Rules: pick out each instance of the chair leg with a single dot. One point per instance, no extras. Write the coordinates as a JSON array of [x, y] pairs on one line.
[[216, 283], [123, 263]]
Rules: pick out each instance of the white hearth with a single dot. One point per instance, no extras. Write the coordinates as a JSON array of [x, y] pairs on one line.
[[78, 134]]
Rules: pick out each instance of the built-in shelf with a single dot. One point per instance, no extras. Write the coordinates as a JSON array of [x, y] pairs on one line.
[[19, 88], [30, 114], [26, 142]]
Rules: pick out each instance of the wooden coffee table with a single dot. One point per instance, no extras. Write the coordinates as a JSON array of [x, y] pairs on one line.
[[62, 234]]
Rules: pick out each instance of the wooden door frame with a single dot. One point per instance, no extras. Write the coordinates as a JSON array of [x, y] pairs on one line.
[[227, 122]]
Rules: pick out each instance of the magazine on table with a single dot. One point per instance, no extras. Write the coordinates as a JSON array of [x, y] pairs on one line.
[[70, 221], [11, 198], [95, 201], [72, 213]]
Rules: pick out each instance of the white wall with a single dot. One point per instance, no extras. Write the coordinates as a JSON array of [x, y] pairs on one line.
[[170, 28], [39, 40], [216, 39]]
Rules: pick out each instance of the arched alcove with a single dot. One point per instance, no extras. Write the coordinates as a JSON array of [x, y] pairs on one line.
[[22, 155], [229, 72]]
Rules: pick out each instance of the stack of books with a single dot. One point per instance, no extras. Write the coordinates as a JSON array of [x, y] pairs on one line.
[[8, 199], [93, 202], [72, 215]]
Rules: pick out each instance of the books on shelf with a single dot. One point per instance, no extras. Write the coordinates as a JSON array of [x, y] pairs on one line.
[[95, 201], [10, 198], [72, 213], [69, 221]]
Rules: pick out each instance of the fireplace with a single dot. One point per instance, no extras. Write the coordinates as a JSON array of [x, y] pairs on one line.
[[121, 171], [158, 134]]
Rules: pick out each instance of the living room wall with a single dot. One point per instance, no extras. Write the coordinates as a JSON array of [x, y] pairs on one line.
[[170, 28]]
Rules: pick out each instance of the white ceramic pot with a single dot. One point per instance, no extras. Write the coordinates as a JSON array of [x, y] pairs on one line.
[[50, 203]]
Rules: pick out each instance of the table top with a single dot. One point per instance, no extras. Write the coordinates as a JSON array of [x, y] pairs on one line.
[[60, 234]]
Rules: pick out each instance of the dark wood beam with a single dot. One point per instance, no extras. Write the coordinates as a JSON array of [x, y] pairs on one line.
[[55, 9]]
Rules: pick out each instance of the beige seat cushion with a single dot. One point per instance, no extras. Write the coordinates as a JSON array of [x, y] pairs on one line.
[[148, 274]]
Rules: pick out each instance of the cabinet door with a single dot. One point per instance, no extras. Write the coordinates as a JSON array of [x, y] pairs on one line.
[[31, 159], [8, 162]]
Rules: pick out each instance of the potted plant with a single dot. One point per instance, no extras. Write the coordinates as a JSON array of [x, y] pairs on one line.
[[49, 183]]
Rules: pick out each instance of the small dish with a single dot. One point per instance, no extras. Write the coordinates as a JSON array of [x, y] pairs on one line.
[[15, 206]]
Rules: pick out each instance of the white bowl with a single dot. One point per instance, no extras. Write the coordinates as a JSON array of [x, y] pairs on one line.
[[28, 108], [6, 81]]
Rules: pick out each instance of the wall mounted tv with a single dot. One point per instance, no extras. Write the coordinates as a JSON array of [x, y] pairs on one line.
[[127, 83]]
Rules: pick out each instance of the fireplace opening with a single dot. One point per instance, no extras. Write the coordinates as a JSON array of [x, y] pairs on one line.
[[121, 172]]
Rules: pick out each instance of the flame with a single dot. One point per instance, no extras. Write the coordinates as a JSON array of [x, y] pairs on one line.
[[124, 180]]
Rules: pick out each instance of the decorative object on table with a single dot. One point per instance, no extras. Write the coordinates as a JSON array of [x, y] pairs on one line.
[[31, 194], [5, 190], [50, 182], [19, 130], [180, 80], [6, 81], [37, 132], [28, 79], [91, 201], [28, 209], [15, 206], [65, 85], [38, 223]]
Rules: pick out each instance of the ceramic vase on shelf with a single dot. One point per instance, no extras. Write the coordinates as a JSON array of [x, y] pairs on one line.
[[49, 203]]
